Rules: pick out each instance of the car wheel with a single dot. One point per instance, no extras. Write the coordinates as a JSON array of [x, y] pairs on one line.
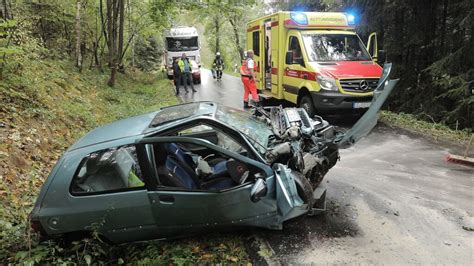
[[307, 104], [170, 76], [303, 186]]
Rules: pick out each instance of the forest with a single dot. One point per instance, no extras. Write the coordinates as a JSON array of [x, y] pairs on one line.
[[69, 66]]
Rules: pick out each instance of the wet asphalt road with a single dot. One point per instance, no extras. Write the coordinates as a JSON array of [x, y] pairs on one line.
[[228, 91], [392, 199]]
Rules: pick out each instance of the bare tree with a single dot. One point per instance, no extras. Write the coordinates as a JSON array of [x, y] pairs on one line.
[[78, 35]]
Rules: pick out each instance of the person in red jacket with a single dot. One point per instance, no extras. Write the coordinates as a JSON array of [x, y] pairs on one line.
[[247, 74]]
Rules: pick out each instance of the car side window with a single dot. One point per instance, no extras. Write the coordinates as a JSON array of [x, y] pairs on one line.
[[109, 170], [295, 47]]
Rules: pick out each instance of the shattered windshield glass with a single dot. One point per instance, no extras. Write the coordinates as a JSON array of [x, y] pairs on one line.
[[334, 47], [256, 131], [174, 113]]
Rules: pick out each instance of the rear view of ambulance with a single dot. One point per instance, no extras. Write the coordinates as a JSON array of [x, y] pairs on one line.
[[315, 60]]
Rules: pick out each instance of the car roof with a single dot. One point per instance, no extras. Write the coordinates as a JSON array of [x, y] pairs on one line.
[[146, 123]]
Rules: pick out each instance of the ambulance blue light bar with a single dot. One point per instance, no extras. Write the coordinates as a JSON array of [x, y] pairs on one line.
[[299, 18], [350, 19]]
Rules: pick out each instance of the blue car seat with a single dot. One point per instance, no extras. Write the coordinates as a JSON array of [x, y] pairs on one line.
[[182, 166]]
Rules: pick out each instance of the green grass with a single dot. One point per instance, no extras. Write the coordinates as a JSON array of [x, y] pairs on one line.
[[436, 131], [46, 106]]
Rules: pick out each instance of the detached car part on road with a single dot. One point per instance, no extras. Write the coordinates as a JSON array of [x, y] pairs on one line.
[[194, 167]]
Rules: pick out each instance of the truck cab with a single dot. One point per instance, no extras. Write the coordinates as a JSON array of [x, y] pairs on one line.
[[181, 40], [314, 60]]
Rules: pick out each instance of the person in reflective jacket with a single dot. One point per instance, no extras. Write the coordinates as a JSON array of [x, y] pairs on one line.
[[247, 75], [186, 70]]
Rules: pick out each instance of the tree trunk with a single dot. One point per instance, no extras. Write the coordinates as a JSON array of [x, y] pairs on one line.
[[240, 50], [216, 21], [443, 27], [5, 12], [112, 30], [78, 36], [130, 30], [121, 4]]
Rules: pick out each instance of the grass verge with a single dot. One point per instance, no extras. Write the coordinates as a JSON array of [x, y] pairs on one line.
[[435, 131], [46, 106]]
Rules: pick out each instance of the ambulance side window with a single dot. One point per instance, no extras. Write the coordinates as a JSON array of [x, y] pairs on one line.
[[256, 43], [295, 47]]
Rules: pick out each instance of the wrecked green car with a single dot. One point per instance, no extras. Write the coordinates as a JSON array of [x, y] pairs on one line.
[[195, 167]]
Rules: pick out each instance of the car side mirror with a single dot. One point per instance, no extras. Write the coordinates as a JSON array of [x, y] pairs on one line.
[[289, 58], [259, 190], [381, 57]]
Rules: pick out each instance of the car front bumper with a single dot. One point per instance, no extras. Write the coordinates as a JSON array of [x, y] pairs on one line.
[[337, 102]]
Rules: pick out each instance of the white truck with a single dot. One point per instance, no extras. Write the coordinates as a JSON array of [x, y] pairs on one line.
[[181, 40]]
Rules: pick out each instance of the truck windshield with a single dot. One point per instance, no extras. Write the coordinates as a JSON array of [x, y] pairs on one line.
[[334, 47], [182, 44]]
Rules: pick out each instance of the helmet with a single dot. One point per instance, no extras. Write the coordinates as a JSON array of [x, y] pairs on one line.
[[218, 54]]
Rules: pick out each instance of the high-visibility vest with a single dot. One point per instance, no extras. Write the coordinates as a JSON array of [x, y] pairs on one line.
[[244, 69]]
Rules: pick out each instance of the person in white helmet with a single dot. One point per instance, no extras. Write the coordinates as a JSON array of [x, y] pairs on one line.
[[218, 66]]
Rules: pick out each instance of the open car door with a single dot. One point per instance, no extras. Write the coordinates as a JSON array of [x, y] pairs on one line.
[[368, 121], [182, 211]]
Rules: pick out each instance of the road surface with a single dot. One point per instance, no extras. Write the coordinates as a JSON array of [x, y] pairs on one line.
[[228, 91], [392, 199]]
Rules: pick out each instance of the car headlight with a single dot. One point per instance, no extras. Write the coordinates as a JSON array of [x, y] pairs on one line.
[[327, 83]]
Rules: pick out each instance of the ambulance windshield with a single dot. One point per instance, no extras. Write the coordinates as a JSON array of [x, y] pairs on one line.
[[334, 47]]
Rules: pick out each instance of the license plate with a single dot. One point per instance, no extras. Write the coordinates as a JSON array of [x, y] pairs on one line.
[[361, 105]]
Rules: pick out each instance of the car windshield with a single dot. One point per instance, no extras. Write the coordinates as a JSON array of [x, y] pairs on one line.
[[182, 44], [256, 131], [334, 47]]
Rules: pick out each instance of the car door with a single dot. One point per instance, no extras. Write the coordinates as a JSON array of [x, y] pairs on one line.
[[294, 70], [179, 211]]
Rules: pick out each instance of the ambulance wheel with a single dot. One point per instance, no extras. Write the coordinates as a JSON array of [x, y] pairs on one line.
[[307, 104]]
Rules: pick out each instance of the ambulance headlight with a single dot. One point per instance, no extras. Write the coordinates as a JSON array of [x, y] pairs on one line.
[[327, 83], [299, 18], [350, 19]]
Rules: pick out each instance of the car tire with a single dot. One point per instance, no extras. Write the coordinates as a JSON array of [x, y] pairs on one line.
[[307, 104], [303, 186], [170, 77]]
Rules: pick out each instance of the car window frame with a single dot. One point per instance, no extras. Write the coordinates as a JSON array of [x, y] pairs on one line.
[[266, 169], [234, 134], [145, 177]]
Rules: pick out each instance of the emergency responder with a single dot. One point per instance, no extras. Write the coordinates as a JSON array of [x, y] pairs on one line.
[[186, 70], [177, 76], [247, 73], [218, 66]]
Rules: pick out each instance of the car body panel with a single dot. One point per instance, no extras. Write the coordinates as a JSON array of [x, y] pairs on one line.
[[132, 126]]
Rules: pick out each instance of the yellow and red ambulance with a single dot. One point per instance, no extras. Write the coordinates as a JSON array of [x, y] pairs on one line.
[[315, 60]]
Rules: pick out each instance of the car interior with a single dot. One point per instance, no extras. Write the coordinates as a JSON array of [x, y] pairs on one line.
[[194, 167], [107, 170]]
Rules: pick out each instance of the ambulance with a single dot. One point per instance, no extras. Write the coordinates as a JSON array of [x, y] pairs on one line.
[[314, 60]]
